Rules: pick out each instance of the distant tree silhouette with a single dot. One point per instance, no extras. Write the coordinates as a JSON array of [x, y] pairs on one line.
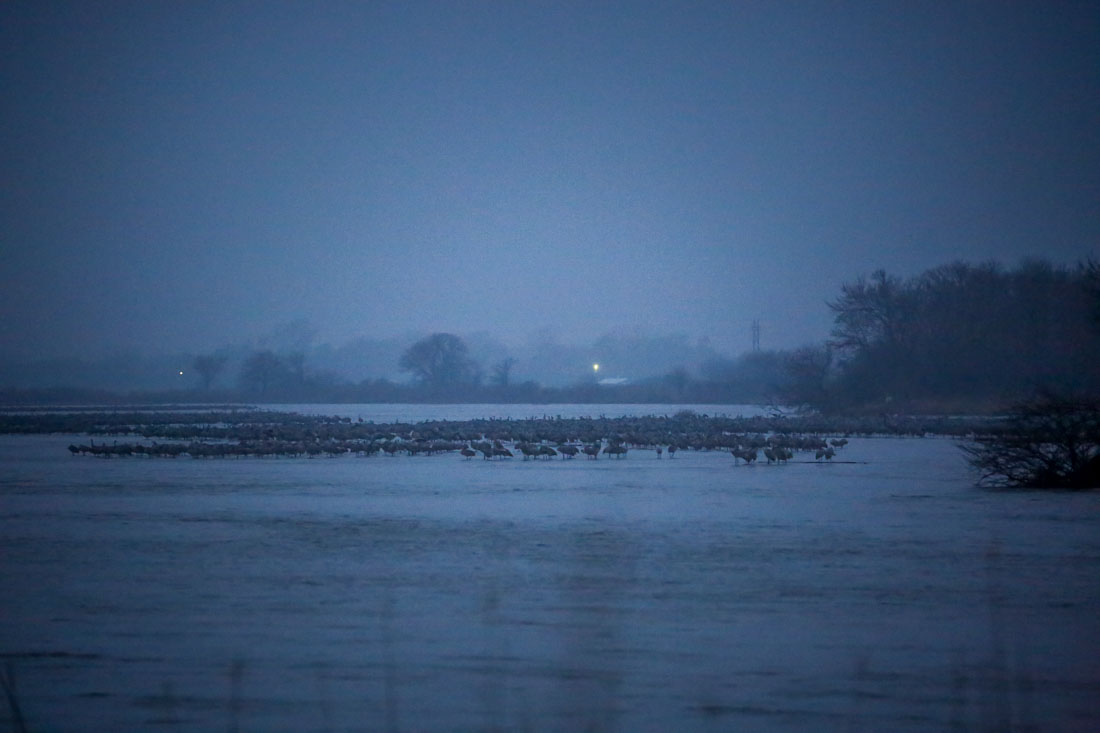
[[502, 371], [1090, 274], [261, 370], [440, 360], [678, 380], [868, 311], [295, 363], [754, 376], [209, 366], [962, 333], [809, 369]]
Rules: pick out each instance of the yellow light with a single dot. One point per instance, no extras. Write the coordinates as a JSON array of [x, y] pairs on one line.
[[595, 367]]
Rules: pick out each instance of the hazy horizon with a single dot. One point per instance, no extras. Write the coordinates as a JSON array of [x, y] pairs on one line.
[[183, 175], [623, 353]]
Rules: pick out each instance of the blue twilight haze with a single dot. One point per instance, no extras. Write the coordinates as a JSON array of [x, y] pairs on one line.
[[181, 175]]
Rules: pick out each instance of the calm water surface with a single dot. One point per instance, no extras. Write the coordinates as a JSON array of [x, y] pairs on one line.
[[433, 593]]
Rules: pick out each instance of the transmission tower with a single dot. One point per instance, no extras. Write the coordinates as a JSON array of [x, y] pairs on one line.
[[756, 335]]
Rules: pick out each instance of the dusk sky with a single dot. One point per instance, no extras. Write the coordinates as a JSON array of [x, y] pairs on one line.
[[182, 175]]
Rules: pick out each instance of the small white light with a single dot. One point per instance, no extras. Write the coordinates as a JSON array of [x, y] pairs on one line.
[[181, 372], [595, 367]]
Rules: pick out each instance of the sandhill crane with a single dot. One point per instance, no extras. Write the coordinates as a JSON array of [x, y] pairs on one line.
[[616, 449], [748, 455]]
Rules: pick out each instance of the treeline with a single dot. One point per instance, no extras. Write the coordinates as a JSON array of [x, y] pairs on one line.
[[441, 370], [959, 336]]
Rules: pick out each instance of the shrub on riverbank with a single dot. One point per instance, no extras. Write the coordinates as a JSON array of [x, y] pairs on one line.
[[1050, 443]]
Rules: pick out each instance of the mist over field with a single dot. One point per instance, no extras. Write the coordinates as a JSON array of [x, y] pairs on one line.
[[543, 358], [186, 178]]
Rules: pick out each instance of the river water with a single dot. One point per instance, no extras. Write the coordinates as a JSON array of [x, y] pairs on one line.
[[401, 593]]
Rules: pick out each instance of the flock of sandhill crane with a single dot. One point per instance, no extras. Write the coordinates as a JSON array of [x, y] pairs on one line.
[[782, 451], [530, 451], [776, 449], [268, 434]]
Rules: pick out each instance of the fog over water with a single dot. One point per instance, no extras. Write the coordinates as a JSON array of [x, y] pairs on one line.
[[184, 175]]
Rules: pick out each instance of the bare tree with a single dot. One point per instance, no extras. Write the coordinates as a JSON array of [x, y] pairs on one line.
[[502, 371], [808, 372], [975, 333], [1049, 442], [296, 365], [261, 370], [209, 366], [868, 311], [439, 360]]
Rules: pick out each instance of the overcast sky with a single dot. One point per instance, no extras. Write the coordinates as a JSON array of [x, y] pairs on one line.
[[180, 175]]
